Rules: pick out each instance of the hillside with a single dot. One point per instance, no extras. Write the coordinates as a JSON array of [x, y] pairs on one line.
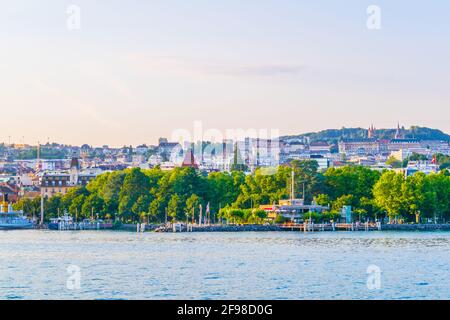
[[334, 135]]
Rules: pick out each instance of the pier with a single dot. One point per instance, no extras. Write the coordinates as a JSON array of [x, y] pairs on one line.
[[317, 227], [301, 227]]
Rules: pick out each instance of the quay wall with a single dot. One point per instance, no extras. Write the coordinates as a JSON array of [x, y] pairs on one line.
[[269, 228], [133, 227], [415, 227], [228, 228], [236, 228]]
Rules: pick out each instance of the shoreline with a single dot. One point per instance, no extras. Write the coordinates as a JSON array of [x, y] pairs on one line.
[[141, 228], [282, 228]]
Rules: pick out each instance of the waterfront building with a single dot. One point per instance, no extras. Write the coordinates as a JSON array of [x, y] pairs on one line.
[[137, 159], [405, 144], [263, 153], [141, 149], [323, 162], [124, 158], [320, 147], [86, 151], [404, 154], [401, 154], [155, 160], [380, 167], [436, 146], [294, 146], [363, 160], [167, 166], [294, 209], [170, 151], [383, 145], [363, 146], [162, 140], [9, 189], [59, 182], [426, 167]]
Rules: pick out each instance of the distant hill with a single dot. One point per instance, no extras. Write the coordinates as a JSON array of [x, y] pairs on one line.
[[332, 136]]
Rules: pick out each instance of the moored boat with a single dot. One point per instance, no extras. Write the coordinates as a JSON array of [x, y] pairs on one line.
[[66, 223], [13, 220], [62, 223]]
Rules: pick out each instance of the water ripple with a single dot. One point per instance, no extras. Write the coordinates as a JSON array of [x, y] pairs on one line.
[[280, 265]]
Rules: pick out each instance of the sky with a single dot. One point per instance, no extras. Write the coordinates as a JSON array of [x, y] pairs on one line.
[[133, 71]]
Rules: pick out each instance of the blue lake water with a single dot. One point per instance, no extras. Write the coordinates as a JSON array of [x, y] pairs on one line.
[[278, 265]]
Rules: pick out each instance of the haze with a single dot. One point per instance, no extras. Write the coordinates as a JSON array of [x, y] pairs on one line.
[[138, 70]]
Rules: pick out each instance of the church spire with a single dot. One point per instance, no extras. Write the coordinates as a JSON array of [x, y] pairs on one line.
[[398, 133], [189, 159], [371, 132]]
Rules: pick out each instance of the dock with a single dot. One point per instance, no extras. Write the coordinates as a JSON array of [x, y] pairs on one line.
[[317, 227], [299, 227]]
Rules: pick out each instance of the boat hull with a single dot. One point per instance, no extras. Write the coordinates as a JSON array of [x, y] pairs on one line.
[[53, 226], [16, 227]]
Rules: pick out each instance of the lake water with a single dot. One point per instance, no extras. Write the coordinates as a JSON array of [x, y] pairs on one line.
[[278, 265]]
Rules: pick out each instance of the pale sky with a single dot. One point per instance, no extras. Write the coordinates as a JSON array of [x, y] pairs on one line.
[[138, 70]]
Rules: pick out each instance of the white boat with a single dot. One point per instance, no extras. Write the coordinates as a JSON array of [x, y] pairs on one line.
[[11, 220], [62, 223]]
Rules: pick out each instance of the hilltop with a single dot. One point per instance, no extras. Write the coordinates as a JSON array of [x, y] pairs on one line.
[[332, 136]]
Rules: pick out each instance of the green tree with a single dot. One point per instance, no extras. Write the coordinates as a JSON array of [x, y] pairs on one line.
[[136, 184], [192, 204], [68, 199], [257, 216], [235, 215], [355, 180], [54, 206], [413, 192], [394, 162], [322, 199], [307, 172], [93, 205], [141, 207], [345, 200], [174, 207], [440, 194], [110, 191], [75, 208], [388, 193]]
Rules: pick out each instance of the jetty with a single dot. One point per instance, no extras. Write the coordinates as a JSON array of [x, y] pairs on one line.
[[316, 227], [299, 227]]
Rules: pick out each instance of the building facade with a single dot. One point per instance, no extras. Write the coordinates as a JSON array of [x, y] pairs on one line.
[[60, 182]]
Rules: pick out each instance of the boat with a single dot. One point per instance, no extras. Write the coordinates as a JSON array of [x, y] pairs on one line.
[[13, 220], [99, 224], [62, 223], [66, 223]]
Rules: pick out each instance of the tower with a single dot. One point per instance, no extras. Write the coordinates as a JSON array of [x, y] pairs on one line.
[[371, 132], [38, 158], [189, 159], [238, 162], [398, 133]]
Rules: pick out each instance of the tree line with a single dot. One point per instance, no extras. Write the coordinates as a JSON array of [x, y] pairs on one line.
[[155, 195]]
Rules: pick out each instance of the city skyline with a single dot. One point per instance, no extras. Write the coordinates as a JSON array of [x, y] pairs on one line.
[[371, 130], [131, 74]]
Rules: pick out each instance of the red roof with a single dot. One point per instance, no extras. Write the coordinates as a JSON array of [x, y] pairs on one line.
[[189, 160]]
